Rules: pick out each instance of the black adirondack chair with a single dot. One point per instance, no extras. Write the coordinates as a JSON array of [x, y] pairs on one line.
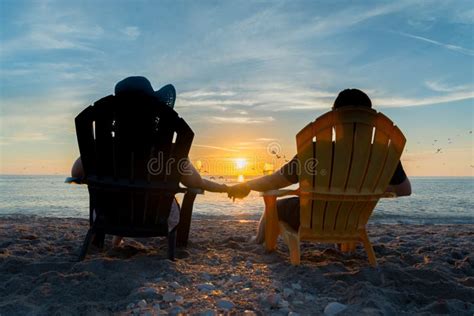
[[132, 148]]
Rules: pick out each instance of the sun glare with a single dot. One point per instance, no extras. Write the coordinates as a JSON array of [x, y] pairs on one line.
[[241, 178], [240, 163]]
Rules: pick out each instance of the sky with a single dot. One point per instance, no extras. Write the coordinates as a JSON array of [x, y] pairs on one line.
[[248, 74]]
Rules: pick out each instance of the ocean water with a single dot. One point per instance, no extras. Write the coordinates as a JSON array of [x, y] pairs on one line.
[[434, 200]]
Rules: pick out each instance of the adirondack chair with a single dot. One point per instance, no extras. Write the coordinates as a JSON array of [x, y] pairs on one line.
[[132, 147], [347, 158]]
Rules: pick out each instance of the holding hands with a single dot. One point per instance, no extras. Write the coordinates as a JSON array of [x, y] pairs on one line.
[[238, 191]]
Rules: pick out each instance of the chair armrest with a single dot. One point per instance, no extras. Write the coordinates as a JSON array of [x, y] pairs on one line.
[[389, 195], [74, 180], [194, 190], [279, 193]]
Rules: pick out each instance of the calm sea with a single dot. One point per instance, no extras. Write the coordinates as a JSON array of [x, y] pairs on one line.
[[434, 200]]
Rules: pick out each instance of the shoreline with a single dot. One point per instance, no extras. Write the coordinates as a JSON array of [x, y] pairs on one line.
[[249, 217], [423, 269]]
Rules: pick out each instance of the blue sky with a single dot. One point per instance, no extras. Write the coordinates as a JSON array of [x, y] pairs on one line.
[[246, 72]]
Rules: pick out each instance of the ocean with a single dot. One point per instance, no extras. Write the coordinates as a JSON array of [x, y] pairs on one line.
[[433, 201]]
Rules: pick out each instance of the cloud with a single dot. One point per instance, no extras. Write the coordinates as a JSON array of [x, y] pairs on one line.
[[464, 16], [212, 103], [327, 25], [194, 94], [25, 137], [266, 97], [242, 120], [441, 87], [455, 48], [132, 32], [47, 28], [405, 102], [215, 147]]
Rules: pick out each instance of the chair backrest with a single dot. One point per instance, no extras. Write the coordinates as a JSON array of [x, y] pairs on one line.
[[132, 148], [347, 158]]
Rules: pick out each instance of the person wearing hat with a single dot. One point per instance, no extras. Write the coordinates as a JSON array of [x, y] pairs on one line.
[[190, 178]]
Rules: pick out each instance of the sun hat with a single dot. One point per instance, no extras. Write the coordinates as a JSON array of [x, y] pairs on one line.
[[139, 84]]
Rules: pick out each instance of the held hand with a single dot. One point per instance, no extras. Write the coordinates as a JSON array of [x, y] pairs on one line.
[[238, 191]]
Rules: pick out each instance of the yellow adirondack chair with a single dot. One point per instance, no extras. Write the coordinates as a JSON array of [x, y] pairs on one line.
[[347, 158]]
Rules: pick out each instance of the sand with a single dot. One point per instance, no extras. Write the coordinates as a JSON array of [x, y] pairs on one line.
[[423, 270]]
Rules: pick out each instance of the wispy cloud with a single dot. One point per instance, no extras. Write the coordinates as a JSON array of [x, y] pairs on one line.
[[266, 97], [405, 102], [442, 87], [44, 28], [241, 120], [23, 137], [216, 147], [455, 48], [205, 93], [324, 26], [215, 102], [132, 32]]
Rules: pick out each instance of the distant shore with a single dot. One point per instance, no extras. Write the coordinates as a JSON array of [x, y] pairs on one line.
[[424, 269]]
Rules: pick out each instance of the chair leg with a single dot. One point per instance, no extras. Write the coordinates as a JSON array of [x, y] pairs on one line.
[[172, 244], [271, 223], [293, 242], [185, 219], [348, 247], [99, 239], [86, 244], [368, 248]]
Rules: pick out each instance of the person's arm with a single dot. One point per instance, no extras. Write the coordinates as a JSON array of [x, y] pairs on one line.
[[266, 183], [77, 171], [399, 184], [192, 179], [402, 189], [273, 181]]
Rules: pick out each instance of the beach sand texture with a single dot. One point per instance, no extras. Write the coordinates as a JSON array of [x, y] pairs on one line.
[[423, 270]]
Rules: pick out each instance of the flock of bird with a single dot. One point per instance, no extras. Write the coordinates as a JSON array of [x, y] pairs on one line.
[[439, 150], [273, 152]]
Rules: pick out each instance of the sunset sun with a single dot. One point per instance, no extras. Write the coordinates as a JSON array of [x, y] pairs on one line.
[[240, 163]]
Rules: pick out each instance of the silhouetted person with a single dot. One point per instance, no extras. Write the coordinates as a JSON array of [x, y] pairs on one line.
[[289, 208]]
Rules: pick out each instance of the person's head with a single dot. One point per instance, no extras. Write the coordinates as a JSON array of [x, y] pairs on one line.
[[352, 97], [142, 85]]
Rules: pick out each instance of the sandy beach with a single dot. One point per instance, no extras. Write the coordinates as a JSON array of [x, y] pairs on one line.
[[422, 270]]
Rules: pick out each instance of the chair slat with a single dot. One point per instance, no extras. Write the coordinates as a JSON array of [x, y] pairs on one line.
[[360, 157], [342, 218], [324, 155], [378, 155], [365, 214], [353, 218], [342, 156], [305, 144], [332, 209]]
